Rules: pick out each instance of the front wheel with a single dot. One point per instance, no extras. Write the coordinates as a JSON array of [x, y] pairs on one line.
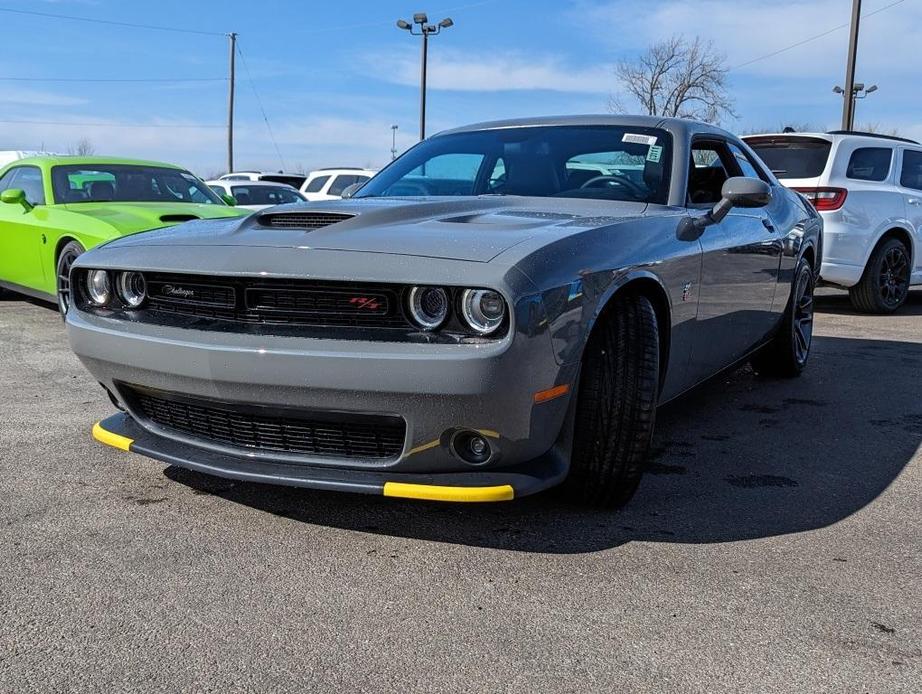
[[616, 409], [884, 286], [787, 353], [66, 259]]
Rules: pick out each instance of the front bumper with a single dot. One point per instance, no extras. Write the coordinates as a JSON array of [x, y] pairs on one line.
[[503, 484], [435, 388]]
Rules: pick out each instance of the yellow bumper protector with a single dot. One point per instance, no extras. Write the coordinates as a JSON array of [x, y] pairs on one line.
[[110, 439], [431, 492]]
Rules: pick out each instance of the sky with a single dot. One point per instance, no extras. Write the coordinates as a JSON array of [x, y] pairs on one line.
[[333, 77]]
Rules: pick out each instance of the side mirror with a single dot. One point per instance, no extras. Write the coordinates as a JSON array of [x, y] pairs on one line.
[[740, 191], [15, 196], [349, 191], [229, 199]]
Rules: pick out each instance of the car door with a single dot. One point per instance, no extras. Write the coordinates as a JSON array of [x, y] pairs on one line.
[[910, 180], [21, 235], [740, 265]]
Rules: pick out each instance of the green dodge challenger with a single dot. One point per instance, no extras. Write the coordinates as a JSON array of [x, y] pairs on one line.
[[54, 208]]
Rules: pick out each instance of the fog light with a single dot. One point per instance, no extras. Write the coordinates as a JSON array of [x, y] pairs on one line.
[[471, 447], [98, 287]]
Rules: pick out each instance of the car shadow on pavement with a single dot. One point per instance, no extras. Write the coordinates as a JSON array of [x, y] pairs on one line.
[[739, 458]]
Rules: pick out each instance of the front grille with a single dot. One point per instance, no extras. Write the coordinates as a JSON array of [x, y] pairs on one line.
[[302, 220], [277, 302], [321, 434]]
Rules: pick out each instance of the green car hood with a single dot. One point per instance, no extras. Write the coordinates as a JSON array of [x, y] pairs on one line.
[[132, 217]]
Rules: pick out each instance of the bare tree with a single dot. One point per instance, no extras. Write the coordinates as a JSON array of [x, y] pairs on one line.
[[878, 129], [678, 78], [83, 148]]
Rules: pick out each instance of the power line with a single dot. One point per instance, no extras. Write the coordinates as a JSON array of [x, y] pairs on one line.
[[246, 69], [814, 38], [111, 125], [91, 79], [133, 25]]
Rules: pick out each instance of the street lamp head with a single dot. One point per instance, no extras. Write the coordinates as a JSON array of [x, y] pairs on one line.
[[420, 18], [445, 23], [838, 90], [872, 88], [403, 24], [859, 86]]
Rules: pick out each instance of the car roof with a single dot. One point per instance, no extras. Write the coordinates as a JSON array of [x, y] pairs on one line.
[[265, 173], [675, 125], [69, 160], [342, 169], [837, 136], [249, 184]]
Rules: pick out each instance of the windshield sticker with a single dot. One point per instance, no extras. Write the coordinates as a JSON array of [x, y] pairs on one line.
[[654, 154], [638, 139], [187, 176]]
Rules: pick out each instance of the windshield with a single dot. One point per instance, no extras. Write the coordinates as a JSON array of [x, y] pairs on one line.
[[265, 195], [594, 162], [128, 183], [792, 157]]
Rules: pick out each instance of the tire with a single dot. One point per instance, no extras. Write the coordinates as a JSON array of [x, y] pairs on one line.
[[66, 259], [884, 285], [616, 409], [787, 354]]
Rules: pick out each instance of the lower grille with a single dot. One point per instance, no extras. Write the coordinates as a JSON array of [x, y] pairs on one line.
[[323, 434]]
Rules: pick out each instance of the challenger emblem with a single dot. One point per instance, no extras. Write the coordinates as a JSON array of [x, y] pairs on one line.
[[361, 302], [181, 292]]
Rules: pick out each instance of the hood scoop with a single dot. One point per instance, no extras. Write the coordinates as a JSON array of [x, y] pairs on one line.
[[177, 218], [302, 220]]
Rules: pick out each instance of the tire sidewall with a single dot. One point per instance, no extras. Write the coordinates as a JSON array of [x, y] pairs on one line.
[[804, 279], [67, 248]]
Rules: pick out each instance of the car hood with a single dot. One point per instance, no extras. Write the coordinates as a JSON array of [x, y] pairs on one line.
[[132, 217], [457, 228]]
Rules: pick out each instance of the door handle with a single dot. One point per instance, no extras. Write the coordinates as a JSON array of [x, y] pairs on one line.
[[768, 224]]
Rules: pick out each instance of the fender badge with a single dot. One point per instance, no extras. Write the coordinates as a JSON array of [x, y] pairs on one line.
[[685, 291]]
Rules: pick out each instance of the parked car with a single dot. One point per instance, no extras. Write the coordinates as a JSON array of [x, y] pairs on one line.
[[478, 348], [329, 184], [868, 189], [256, 195], [52, 208], [292, 179]]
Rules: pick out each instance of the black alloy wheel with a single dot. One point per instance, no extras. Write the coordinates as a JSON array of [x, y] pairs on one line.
[[66, 259], [894, 276]]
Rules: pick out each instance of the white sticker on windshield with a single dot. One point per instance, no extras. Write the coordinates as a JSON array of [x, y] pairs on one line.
[[637, 139], [654, 154]]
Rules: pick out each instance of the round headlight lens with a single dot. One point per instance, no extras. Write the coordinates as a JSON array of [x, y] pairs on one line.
[[132, 288], [98, 287], [428, 306], [483, 310]]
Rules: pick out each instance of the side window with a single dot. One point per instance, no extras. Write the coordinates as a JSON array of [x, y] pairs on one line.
[[30, 180], [497, 177], [869, 164], [710, 165], [910, 175], [6, 181], [342, 182], [316, 184], [744, 162]]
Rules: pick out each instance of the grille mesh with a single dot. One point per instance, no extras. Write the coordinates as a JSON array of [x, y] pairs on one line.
[[302, 220], [366, 437]]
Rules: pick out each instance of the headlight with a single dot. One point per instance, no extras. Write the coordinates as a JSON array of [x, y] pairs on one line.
[[483, 309], [428, 306], [132, 288], [98, 287]]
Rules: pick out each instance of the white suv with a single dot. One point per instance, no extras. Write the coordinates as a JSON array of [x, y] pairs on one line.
[[868, 189], [329, 184], [292, 179]]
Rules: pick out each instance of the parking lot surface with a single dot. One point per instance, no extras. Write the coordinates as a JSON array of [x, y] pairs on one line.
[[775, 546]]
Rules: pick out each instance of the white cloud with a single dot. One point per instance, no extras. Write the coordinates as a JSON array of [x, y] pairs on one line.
[[11, 94], [496, 72]]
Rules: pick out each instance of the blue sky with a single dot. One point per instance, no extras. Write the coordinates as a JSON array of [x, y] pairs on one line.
[[334, 76]]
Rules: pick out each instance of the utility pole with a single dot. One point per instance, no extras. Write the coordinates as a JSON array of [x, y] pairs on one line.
[[230, 102], [848, 103], [425, 30]]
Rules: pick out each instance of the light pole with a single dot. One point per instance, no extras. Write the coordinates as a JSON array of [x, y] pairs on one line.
[[858, 91], [393, 142], [425, 30]]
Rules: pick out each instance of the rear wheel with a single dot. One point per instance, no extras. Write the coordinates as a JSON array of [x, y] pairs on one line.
[[787, 353], [66, 259], [616, 409], [884, 286]]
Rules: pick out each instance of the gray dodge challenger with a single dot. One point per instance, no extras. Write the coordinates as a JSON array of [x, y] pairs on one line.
[[498, 311]]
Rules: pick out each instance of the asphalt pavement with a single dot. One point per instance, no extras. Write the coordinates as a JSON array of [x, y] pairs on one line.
[[775, 546]]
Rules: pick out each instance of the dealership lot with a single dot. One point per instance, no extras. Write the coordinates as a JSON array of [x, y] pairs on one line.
[[777, 546]]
